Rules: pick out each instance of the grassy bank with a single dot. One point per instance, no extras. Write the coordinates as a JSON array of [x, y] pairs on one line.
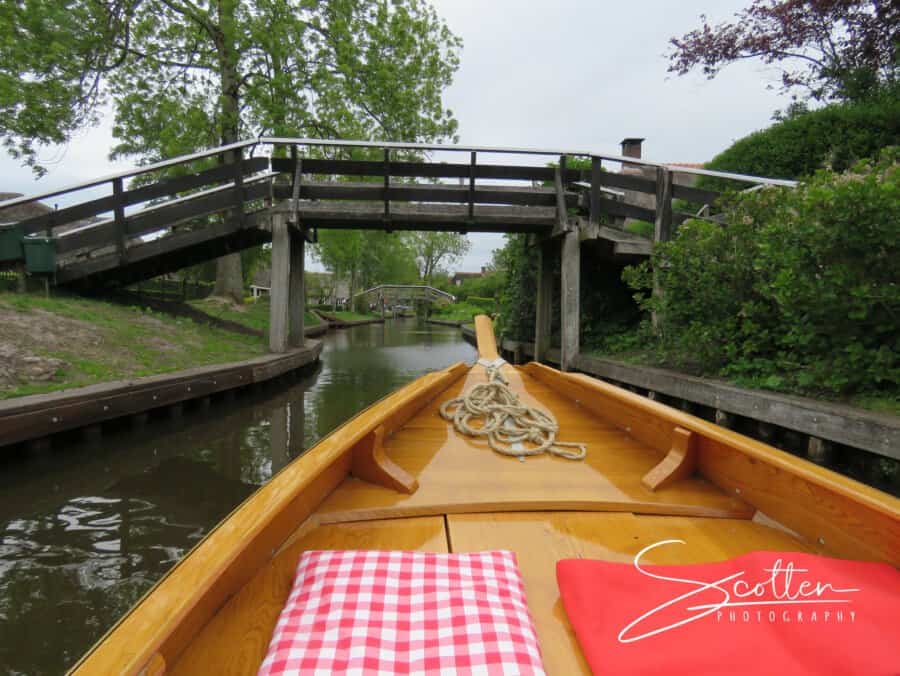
[[352, 316], [49, 344], [457, 312], [253, 314]]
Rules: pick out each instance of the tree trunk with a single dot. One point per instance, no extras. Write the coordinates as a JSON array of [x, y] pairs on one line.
[[334, 289], [229, 275], [229, 278], [352, 289]]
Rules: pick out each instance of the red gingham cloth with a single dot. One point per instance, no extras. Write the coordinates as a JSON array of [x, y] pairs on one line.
[[377, 612]]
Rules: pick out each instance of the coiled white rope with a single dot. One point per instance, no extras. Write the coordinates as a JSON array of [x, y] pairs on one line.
[[505, 421]]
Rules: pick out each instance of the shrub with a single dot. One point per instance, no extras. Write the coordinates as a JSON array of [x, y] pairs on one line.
[[799, 291], [517, 296], [643, 228], [486, 304], [487, 286], [835, 137], [461, 311]]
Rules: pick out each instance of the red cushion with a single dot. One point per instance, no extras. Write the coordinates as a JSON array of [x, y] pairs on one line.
[[405, 612], [630, 619]]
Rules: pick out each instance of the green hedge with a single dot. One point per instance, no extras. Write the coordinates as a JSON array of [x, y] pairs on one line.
[[833, 137], [800, 291], [518, 294]]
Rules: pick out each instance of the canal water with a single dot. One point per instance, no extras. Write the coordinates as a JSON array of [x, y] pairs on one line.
[[86, 529]]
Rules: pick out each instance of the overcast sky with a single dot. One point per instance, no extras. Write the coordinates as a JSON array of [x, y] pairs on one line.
[[573, 74]]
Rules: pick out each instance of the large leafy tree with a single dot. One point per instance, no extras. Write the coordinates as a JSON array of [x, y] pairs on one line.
[[828, 49], [187, 73], [434, 249]]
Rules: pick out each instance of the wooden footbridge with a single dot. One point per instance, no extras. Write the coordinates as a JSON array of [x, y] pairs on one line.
[[139, 224], [392, 293]]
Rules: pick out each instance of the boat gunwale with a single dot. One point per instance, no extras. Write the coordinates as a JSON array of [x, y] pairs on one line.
[[799, 467]]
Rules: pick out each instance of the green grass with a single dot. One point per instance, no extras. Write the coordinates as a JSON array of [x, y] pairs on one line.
[[642, 228], [457, 312], [878, 403], [254, 314], [104, 341], [352, 316]]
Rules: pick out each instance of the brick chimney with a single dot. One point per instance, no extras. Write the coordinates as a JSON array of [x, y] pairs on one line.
[[631, 147]]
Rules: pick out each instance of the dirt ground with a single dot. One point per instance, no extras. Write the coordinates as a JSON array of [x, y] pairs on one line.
[[27, 337]]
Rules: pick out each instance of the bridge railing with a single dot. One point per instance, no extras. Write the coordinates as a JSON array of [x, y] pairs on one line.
[[148, 203], [406, 291]]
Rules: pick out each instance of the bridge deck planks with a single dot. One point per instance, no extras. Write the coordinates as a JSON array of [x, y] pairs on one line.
[[419, 192], [417, 216]]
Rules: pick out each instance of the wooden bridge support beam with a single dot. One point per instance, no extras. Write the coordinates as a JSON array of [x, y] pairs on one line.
[[570, 324], [662, 230], [546, 251], [298, 292], [287, 293]]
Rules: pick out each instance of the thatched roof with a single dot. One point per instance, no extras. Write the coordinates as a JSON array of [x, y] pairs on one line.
[[262, 277], [22, 211]]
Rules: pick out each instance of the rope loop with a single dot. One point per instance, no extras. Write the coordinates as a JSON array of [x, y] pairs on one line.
[[506, 423]]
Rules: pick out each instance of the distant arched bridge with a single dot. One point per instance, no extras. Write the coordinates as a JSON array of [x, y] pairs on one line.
[[392, 293]]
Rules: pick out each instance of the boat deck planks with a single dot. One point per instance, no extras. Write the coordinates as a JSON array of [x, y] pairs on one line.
[[237, 638], [540, 539], [458, 474]]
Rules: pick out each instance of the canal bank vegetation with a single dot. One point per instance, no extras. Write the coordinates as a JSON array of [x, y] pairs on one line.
[[253, 314], [798, 293], [61, 342], [475, 295], [346, 316], [463, 311]]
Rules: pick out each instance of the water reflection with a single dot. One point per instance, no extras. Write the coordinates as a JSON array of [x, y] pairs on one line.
[[86, 529]]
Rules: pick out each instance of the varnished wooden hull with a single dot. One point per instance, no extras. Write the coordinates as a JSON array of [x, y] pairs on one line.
[[397, 476]]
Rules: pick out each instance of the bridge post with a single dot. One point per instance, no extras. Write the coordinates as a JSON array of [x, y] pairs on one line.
[[662, 231], [544, 295], [279, 291], [297, 299], [570, 305], [286, 294]]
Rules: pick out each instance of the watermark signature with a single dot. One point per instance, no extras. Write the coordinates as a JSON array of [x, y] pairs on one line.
[[784, 586]]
